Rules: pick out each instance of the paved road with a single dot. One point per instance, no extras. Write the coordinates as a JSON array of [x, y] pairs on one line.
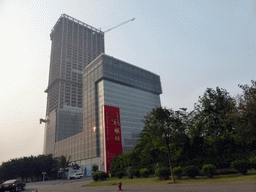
[[226, 187], [32, 187]]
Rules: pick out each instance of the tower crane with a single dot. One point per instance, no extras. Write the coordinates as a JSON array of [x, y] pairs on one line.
[[118, 25]]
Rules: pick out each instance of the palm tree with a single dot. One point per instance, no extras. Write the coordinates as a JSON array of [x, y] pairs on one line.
[[63, 163]]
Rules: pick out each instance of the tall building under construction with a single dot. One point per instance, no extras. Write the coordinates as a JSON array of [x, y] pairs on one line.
[[95, 102], [74, 45]]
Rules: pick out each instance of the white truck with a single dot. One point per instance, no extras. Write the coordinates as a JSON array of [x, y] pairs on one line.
[[77, 175]]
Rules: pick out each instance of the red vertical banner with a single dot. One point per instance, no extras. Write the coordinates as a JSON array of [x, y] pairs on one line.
[[113, 140]]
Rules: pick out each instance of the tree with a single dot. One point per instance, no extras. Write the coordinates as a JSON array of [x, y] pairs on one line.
[[95, 168], [149, 151], [75, 166], [164, 124], [27, 167], [122, 161], [213, 113], [63, 162], [188, 120], [246, 116]]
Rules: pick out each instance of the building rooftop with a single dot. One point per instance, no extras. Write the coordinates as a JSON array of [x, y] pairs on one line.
[[77, 21]]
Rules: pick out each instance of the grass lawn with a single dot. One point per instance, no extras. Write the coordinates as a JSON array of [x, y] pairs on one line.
[[153, 180]]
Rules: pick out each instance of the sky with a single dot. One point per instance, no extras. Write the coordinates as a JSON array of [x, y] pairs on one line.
[[191, 45]]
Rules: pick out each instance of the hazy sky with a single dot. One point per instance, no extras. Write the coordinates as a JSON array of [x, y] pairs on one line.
[[191, 44]]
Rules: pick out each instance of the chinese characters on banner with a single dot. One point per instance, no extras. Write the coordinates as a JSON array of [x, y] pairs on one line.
[[113, 140]]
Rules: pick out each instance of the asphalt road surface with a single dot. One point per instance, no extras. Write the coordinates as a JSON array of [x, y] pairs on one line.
[[76, 186], [32, 187]]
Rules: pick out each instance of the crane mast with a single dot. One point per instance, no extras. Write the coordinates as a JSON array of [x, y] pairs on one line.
[[119, 25]]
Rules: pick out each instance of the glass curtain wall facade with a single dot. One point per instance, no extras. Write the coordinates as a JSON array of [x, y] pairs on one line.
[[109, 81], [134, 104], [74, 45]]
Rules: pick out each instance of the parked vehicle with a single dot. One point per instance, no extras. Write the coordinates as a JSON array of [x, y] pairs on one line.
[[12, 185], [78, 175]]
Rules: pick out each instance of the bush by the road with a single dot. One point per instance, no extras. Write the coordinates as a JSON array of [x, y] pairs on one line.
[[191, 171], [120, 174], [100, 176], [208, 170], [253, 162], [103, 176], [178, 172], [241, 165], [95, 176], [163, 173], [144, 172]]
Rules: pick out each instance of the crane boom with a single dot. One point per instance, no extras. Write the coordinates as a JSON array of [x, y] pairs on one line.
[[119, 25]]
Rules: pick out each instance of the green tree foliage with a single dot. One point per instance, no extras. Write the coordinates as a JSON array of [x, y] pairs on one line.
[[43, 163], [213, 113], [147, 153], [188, 122], [75, 166], [220, 152], [63, 162], [28, 167], [95, 168], [150, 151], [193, 152], [164, 124], [121, 162], [227, 148], [246, 113]]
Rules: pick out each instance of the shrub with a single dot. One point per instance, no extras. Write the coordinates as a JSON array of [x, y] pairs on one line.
[[137, 173], [191, 171], [208, 170], [253, 162], [103, 176], [144, 172], [120, 175], [129, 172], [241, 166], [178, 172], [95, 176], [163, 173]]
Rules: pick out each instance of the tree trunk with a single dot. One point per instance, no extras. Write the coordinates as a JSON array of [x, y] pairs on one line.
[[169, 157]]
